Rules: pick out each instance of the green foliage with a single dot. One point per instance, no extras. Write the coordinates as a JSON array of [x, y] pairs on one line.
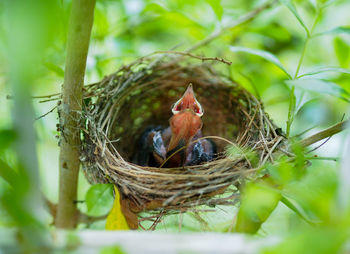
[[99, 199], [259, 200], [335, 31], [320, 86], [325, 69], [217, 7], [264, 54], [55, 68], [292, 8], [342, 51], [291, 110], [261, 197], [32, 53], [7, 137], [112, 250], [316, 193], [323, 240]]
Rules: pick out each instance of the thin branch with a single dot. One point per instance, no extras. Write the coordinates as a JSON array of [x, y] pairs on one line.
[[86, 219], [325, 133], [322, 158], [194, 56], [317, 147], [10, 97], [39, 117], [241, 20], [81, 217]]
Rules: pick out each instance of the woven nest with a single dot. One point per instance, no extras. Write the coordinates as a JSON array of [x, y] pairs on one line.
[[119, 108]]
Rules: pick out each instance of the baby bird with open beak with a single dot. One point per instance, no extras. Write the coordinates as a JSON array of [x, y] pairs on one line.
[[180, 143]]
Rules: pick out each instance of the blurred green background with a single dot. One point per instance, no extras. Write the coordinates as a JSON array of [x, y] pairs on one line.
[[32, 55]]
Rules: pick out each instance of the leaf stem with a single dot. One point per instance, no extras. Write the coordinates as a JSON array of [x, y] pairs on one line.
[[290, 111], [308, 37], [301, 57]]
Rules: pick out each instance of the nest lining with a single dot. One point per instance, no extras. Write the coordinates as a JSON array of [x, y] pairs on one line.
[[117, 110]]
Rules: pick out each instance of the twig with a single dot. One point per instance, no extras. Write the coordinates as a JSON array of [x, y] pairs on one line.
[[241, 20], [279, 139], [317, 147], [155, 223], [84, 218], [322, 158], [194, 56], [324, 134], [304, 132], [10, 97], [81, 217], [181, 218], [39, 117]]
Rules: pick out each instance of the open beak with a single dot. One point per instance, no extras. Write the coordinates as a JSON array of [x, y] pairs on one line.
[[188, 102]]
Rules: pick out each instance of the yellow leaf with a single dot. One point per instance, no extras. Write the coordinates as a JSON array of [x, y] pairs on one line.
[[116, 219]]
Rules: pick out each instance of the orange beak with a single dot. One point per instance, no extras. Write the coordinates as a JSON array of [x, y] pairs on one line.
[[186, 121], [188, 102]]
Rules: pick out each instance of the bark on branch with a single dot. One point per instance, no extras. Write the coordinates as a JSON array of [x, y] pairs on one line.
[[79, 30], [324, 134]]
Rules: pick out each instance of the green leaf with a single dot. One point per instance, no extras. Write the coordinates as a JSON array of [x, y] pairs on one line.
[[292, 8], [258, 202], [112, 250], [99, 199], [298, 210], [7, 173], [154, 8], [325, 69], [341, 49], [217, 8], [302, 98], [101, 25], [7, 137], [320, 86], [335, 31], [315, 192], [321, 240], [264, 54], [55, 68]]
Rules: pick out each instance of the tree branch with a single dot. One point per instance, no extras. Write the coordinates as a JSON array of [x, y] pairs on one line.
[[194, 56], [325, 133], [80, 217], [241, 20], [79, 30]]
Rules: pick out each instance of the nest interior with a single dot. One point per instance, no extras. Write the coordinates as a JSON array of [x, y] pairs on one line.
[[119, 108]]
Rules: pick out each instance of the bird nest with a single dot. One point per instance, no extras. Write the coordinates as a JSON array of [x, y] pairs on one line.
[[118, 109]]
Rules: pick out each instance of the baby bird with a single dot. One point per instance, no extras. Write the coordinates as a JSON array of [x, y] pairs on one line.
[[180, 143]]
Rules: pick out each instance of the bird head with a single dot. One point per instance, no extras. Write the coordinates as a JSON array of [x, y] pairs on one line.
[[186, 121], [188, 102]]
